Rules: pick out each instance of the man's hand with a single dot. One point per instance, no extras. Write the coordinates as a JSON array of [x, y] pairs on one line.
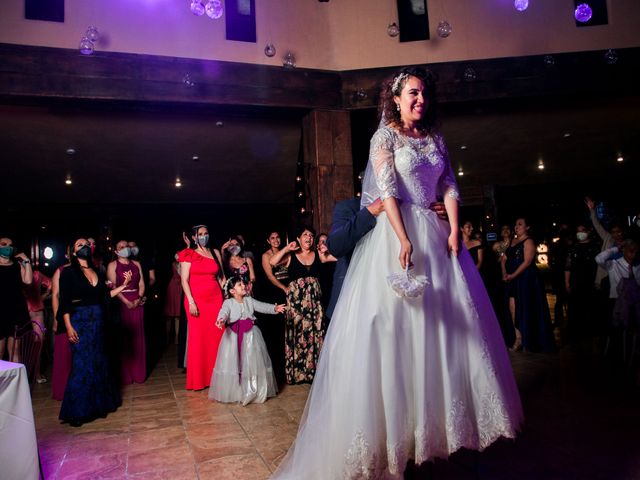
[[376, 208], [440, 209]]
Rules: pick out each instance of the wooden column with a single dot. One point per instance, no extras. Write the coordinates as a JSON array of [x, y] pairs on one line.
[[328, 162]]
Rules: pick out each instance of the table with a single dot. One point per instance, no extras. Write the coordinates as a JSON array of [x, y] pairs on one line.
[[18, 444]]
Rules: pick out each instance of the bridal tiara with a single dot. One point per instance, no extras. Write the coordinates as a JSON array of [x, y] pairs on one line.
[[396, 86]]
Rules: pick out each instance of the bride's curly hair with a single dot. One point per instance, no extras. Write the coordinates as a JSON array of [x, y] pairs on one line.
[[391, 88]]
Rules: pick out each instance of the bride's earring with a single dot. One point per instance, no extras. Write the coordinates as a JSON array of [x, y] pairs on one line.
[[398, 106]]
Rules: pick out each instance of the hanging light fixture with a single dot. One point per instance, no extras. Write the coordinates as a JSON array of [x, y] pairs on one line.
[[521, 5], [583, 13], [214, 9], [178, 182], [393, 30], [68, 180], [289, 60], [270, 50], [444, 29], [460, 171], [540, 164], [197, 8]]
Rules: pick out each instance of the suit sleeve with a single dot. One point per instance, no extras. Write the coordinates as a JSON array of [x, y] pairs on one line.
[[348, 227]]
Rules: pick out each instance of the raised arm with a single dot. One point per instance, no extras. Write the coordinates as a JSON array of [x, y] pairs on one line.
[[268, 271], [602, 232]]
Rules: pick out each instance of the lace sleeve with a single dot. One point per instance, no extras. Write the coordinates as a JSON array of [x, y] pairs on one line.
[[447, 185], [380, 176]]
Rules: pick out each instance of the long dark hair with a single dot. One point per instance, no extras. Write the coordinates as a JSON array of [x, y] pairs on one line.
[[388, 110]]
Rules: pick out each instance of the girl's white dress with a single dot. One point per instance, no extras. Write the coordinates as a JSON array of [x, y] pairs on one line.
[[252, 380], [405, 378]]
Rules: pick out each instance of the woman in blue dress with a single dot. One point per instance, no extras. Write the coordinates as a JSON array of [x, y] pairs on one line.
[[526, 297], [91, 390]]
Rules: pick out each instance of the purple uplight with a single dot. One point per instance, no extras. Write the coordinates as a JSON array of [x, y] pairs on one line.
[[583, 13], [521, 5]]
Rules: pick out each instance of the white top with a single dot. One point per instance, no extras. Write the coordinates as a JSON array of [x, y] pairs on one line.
[[617, 268]]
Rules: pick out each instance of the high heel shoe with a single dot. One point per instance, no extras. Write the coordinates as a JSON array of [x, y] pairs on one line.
[[517, 345]]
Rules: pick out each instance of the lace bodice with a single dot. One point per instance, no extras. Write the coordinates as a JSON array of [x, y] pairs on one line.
[[414, 170]]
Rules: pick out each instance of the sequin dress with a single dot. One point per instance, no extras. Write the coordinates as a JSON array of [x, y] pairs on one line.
[[400, 378]]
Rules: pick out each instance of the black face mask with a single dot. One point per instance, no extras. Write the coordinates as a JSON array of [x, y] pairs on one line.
[[84, 252]]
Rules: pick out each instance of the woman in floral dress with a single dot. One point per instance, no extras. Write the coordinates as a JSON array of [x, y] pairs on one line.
[[304, 328]]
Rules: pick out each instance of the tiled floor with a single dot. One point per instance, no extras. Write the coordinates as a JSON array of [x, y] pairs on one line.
[[583, 422]]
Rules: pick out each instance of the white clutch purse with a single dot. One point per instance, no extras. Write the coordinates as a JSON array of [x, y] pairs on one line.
[[407, 285]]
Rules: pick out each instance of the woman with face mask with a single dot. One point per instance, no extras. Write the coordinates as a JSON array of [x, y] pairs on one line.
[[131, 314], [202, 280], [579, 278], [91, 391], [236, 264], [15, 271]]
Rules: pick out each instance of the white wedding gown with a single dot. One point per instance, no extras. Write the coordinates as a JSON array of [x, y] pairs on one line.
[[400, 378]]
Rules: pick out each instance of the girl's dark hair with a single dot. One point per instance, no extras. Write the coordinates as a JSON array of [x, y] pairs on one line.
[[232, 281], [388, 111]]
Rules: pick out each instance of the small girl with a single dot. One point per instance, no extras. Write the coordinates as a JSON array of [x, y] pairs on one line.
[[243, 371]]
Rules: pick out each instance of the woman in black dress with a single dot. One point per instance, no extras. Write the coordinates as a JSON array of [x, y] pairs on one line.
[[15, 271], [91, 390], [304, 327], [526, 296]]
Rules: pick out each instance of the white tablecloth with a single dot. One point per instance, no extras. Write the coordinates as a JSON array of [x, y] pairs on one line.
[[18, 445]]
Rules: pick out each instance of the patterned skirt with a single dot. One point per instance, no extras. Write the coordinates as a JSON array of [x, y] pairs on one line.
[[304, 330], [91, 390]]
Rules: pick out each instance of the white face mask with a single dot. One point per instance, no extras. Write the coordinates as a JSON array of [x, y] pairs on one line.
[[124, 252], [582, 236]]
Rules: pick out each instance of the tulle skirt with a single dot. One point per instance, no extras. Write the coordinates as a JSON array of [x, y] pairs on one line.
[[257, 381], [399, 378]]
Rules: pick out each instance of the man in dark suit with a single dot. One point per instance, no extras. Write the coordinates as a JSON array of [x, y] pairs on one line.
[[349, 224]]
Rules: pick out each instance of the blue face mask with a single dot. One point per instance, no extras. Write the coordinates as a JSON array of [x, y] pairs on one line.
[[203, 240], [124, 252], [6, 252], [134, 251]]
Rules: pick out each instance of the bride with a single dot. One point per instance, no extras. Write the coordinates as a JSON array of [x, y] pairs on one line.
[[404, 377]]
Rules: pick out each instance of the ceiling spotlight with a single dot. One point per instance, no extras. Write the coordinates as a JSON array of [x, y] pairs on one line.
[[48, 253], [71, 151], [195, 158], [540, 164], [68, 180], [463, 147], [219, 124], [460, 171], [620, 158], [178, 182], [566, 134]]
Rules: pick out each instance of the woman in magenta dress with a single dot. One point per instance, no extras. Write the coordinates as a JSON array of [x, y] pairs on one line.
[[131, 314], [202, 278]]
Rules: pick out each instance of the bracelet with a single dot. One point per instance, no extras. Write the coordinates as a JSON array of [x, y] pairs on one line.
[[192, 303]]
